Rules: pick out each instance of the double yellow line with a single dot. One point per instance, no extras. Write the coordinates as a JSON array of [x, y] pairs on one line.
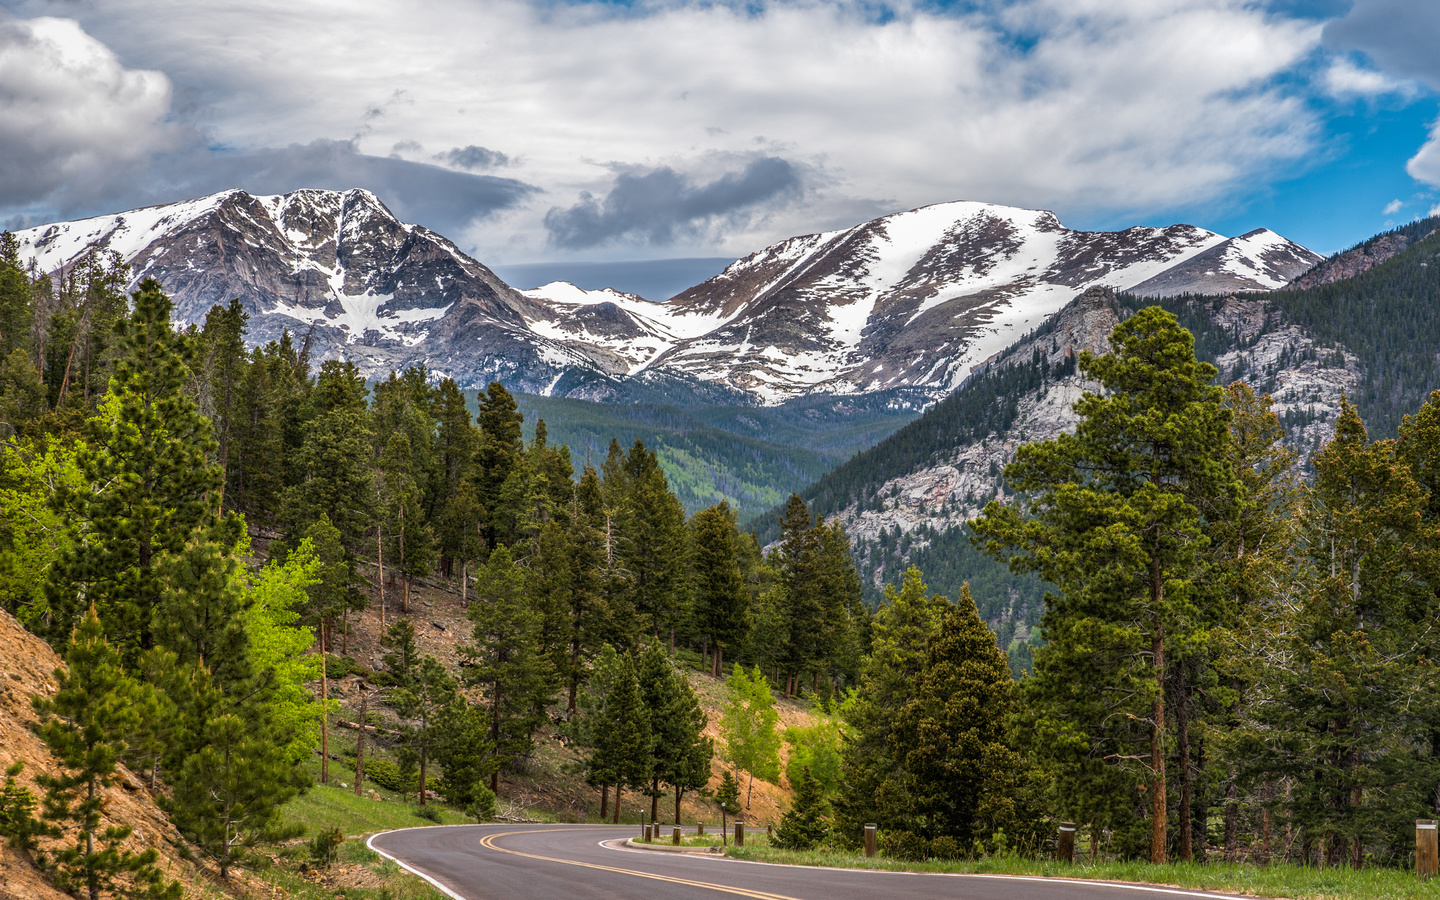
[[488, 843]]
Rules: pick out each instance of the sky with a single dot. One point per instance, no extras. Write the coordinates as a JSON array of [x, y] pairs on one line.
[[546, 134]]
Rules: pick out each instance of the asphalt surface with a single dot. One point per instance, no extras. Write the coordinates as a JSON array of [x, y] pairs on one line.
[[581, 862]]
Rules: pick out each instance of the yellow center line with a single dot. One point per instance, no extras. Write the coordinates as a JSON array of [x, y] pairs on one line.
[[488, 842]]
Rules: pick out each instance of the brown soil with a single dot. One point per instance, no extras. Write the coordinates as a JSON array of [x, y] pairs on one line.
[[550, 783], [27, 667]]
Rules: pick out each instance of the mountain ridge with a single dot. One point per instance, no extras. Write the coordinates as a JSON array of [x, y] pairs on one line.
[[914, 300]]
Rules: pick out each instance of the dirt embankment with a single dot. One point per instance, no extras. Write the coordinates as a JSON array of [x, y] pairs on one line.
[[27, 667]]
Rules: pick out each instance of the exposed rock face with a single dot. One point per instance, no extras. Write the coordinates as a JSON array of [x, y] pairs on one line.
[[1282, 361], [915, 300], [1352, 262]]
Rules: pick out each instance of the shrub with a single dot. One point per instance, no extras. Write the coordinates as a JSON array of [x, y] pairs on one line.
[[324, 847], [428, 812]]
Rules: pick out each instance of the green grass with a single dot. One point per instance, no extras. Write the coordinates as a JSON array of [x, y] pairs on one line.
[[1273, 881], [324, 807]]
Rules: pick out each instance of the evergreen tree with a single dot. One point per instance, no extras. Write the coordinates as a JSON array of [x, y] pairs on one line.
[[423, 702], [654, 550], [804, 602], [400, 662], [677, 725], [722, 602], [506, 658], [333, 471], [221, 368], [623, 742], [84, 726], [951, 737], [228, 795], [1110, 515], [747, 726], [500, 449], [872, 757], [803, 826], [149, 448], [463, 748]]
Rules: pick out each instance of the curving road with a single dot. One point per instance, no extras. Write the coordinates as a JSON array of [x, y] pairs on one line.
[[581, 862]]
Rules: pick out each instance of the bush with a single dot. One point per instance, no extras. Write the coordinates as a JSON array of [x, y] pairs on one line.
[[325, 845], [428, 812], [911, 846], [482, 804]]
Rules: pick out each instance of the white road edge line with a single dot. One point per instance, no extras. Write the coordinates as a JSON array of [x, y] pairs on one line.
[[409, 868], [1124, 886]]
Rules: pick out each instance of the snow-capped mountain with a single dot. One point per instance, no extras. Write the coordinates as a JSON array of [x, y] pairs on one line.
[[916, 300], [338, 268]]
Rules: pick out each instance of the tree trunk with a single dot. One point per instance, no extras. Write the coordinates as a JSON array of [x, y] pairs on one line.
[[678, 794], [1159, 852], [404, 576], [655, 800], [345, 631], [750, 791], [1265, 826], [618, 791], [422, 774], [380, 565], [464, 584], [360, 746], [1182, 732], [604, 801], [1232, 819], [324, 713]]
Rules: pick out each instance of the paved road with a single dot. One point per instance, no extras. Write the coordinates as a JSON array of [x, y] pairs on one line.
[[572, 862]]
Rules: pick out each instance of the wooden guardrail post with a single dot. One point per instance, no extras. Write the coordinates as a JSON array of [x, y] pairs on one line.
[[872, 843], [1065, 843], [645, 833], [770, 830], [1427, 853], [699, 827], [675, 835], [739, 833]]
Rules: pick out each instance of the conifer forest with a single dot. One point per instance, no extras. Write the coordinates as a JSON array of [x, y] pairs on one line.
[[1238, 655]]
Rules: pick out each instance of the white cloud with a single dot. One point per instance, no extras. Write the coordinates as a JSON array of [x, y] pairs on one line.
[[1345, 79], [1393, 207], [1118, 106], [70, 113]]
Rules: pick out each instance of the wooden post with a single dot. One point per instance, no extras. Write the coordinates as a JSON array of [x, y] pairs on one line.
[[1065, 843], [675, 835], [739, 833], [699, 827], [1427, 853], [645, 833], [872, 843], [770, 831]]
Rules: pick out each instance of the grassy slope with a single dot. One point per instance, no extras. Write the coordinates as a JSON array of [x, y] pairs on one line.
[[1235, 878]]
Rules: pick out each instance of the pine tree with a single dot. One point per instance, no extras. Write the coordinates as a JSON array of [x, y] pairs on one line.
[[499, 451], [872, 761], [150, 448], [677, 725], [333, 474], [623, 742], [423, 702], [84, 726], [951, 735], [722, 602], [1110, 515], [805, 604], [400, 662], [229, 793], [506, 658], [221, 368], [803, 826]]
